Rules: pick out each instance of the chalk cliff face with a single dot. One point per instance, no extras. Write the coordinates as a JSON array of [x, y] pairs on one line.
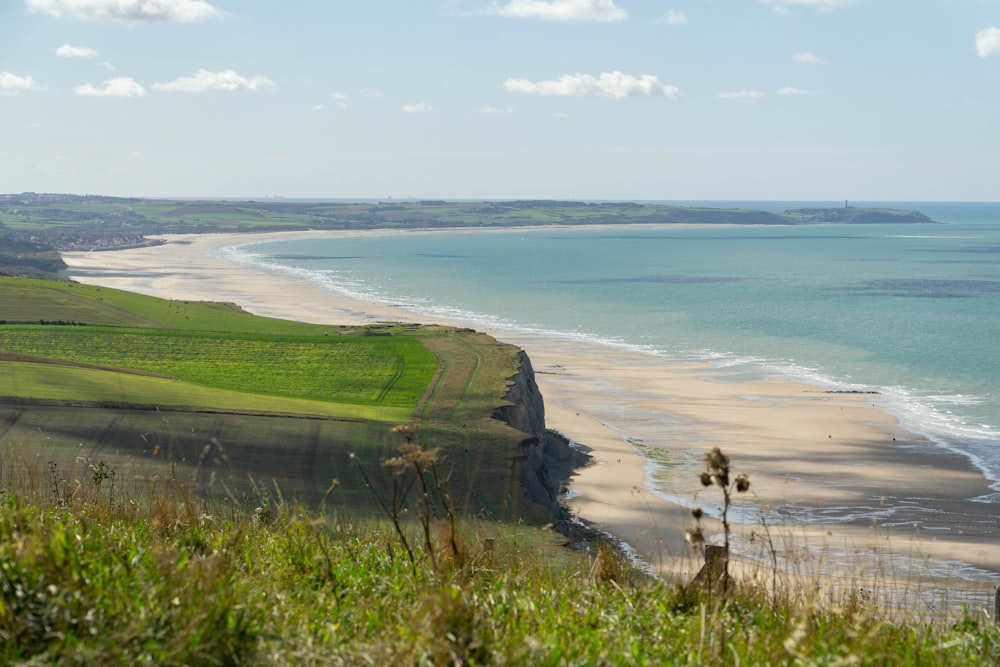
[[545, 460]]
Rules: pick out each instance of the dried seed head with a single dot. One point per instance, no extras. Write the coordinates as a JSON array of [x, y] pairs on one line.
[[697, 513], [716, 461], [427, 457], [412, 455], [397, 464], [407, 432], [706, 479], [742, 483], [721, 479], [408, 450], [694, 536]]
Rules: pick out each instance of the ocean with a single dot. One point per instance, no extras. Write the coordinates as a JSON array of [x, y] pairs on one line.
[[909, 311]]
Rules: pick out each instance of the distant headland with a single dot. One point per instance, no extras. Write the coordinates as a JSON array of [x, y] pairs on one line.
[[35, 226]]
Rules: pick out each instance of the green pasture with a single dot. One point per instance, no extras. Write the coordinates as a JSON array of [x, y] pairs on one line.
[[248, 217], [74, 385], [368, 370], [24, 300], [29, 301]]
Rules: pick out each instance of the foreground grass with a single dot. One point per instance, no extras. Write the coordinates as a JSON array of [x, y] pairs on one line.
[[155, 578]]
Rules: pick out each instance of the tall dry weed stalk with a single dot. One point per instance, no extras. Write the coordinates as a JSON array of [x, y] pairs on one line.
[[609, 565], [417, 467], [717, 473]]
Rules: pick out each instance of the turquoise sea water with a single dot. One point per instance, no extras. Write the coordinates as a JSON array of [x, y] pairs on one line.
[[910, 311]]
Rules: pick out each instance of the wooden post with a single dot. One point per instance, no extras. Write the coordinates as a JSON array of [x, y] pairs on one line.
[[714, 574], [996, 606]]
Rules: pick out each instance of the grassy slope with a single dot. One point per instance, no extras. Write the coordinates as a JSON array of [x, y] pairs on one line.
[[29, 301], [210, 346], [89, 577], [44, 381], [385, 371]]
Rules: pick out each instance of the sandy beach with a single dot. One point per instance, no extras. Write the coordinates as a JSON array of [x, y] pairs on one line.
[[821, 464]]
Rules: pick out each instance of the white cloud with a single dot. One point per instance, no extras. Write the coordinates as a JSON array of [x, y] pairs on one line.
[[491, 110], [608, 84], [119, 87], [127, 10], [67, 51], [744, 95], [339, 100], [562, 10], [675, 18], [420, 107], [988, 42], [807, 58], [782, 6], [792, 91], [204, 81], [13, 84]]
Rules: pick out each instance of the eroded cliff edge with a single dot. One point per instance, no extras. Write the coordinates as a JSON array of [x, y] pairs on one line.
[[546, 459]]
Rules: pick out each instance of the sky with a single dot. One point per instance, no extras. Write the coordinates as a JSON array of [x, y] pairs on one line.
[[823, 100]]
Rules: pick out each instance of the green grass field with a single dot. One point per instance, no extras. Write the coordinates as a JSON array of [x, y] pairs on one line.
[[28, 301], [211, 345], [368, 370], [75, 385]]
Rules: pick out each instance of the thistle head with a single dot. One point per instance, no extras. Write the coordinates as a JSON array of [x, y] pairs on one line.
[[717, 462], [396, 465], [742, 483], [408, 432], [717, 472], [694, 536], [410, 454]]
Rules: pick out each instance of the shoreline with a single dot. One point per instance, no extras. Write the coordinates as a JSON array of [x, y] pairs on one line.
[[820, 452]]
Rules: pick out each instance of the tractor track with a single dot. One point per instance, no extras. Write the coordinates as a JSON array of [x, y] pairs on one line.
[[10, 421], [308, 462]]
